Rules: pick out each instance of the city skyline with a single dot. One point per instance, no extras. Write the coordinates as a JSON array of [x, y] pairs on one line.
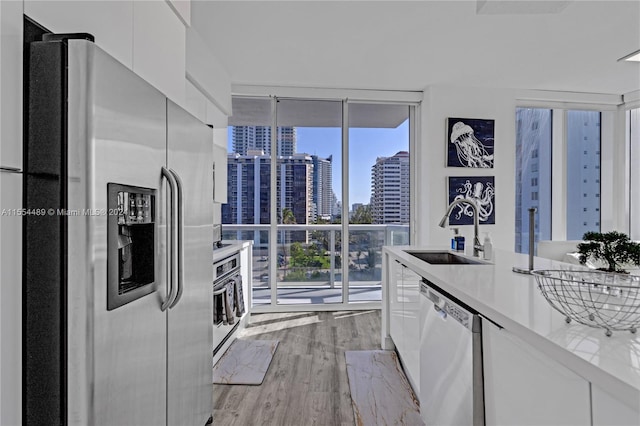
[[534, 142], [366, 146]]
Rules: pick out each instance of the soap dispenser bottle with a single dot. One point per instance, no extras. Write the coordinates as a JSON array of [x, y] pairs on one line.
[[454, 239], [460, 243], [487, 247]]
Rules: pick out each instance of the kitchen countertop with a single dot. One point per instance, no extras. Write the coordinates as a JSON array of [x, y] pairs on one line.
[[514, 302], [228, 248]]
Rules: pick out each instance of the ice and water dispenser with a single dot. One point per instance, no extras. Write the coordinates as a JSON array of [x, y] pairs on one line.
[[131, 244]]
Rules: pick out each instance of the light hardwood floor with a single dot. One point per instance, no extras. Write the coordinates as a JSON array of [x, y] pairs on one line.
[[306, 383]]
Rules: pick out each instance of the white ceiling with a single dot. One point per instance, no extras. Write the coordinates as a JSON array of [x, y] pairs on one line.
[[398, 45]]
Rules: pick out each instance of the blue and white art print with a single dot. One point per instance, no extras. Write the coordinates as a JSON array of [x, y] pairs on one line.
[[470, 142], [476, 189]]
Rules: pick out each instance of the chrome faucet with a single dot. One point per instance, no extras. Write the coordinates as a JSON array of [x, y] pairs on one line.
[[477, 247]]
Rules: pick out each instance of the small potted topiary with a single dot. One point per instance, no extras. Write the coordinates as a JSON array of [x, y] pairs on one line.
[[613, 248]]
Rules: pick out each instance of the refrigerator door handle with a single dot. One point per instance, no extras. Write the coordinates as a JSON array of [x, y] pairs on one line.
[[173, 230], [180, 227]]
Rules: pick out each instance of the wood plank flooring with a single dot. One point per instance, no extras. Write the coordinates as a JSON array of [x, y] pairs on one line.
[[307, 382]]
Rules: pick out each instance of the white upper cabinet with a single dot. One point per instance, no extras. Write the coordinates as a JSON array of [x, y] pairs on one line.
[[110, 22], [207, 73], [11, 85], [220, 176], [159, 48], [182, 8]]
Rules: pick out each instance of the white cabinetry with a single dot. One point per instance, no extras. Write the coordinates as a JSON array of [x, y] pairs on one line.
[[608, 410], [396, 329], [404, 325], [11, 85], [159, 39], [411, 308], [110, 22], [10, 299], [220, 174], [526, 387]]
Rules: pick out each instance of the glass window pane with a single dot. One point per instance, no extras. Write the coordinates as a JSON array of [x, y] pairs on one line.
[[308, 188], [245, 216], [583, 164], [378, 191], [533, 175], [633, 127]]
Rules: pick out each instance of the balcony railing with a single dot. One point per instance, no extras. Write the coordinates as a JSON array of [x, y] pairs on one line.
[[309, 260]]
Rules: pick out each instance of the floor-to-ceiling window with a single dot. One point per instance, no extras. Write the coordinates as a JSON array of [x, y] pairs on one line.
[[300, 177], [574, 173], [248, 186], [633, 136], [308, 189], [583, 173], [533, 175], [379, 154]]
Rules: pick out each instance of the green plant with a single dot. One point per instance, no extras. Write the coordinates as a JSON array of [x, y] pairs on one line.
[[614, 248]]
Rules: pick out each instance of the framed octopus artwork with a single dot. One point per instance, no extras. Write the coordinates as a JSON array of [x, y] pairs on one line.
[[476, 189], [470, 142]]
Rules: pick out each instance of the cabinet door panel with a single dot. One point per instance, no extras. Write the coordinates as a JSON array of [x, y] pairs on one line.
[[524, 386], [10, 300], [159, 48], [411, 308], [395, 304], [608, 410], [11, 84], [100, 18]]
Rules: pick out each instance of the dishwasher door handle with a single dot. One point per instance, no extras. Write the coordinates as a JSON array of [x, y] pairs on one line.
[[441, 312]]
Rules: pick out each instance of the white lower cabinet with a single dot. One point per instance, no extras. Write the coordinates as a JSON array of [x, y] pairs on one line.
[[608, 410], [411, 308], [526, 387], [396, 314], [404, 318]]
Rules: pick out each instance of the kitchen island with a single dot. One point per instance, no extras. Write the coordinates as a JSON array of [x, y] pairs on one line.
[[513, 308]]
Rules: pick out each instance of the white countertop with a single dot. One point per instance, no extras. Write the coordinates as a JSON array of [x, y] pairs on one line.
[[229, 247], [514, 302]]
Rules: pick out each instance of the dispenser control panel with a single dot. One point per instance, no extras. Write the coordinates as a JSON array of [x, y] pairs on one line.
[[131, 243]]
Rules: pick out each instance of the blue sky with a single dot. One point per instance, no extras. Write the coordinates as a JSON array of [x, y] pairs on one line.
[[365, 145]]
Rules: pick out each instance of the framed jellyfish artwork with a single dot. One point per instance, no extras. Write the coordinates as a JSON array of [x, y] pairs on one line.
[[470, 142], [478, 189]]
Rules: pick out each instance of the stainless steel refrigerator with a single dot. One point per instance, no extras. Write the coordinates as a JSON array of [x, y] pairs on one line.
[[117, 246]]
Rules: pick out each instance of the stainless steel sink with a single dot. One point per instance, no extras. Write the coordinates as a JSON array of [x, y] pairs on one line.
[[444, 258]]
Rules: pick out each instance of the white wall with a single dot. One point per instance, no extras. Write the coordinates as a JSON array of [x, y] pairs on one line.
[[149, 37], [439, 103]]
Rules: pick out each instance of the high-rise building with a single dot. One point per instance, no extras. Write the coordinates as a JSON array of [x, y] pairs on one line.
[[583, 173], [249, 188], [534, 173], [252, 138], [322, 187], [390, 189]]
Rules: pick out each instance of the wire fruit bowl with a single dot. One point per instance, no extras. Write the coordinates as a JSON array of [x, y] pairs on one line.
[[593, 298]]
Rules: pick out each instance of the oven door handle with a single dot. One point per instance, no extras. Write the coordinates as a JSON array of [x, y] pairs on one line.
[[219, 292], [172, 279], [180, 240]]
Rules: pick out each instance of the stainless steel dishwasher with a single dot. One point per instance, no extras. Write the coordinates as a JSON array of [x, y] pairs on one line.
[[451, 384]]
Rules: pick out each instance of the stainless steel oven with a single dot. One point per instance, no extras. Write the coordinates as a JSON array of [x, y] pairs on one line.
[[228, 303]]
